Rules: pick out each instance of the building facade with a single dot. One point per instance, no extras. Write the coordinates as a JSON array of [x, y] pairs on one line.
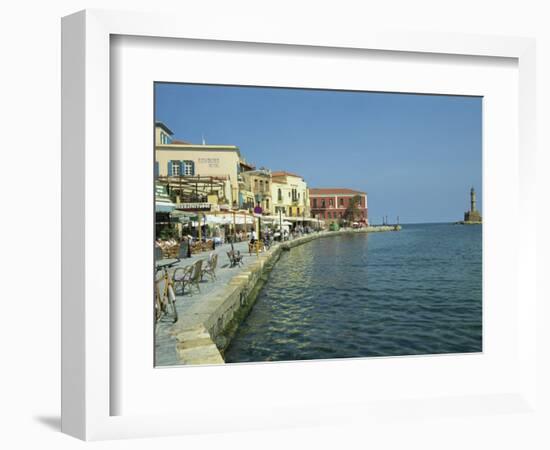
[[290, 196], [336, 205], [259, 183], [218, 165]]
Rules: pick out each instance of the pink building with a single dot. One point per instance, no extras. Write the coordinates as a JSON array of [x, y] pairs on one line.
[[330, 204]]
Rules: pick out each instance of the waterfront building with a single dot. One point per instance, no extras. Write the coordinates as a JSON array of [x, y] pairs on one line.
[[198, 172], [289, 193], [336, 205], [246, 196], [163, 134], [259, 183]]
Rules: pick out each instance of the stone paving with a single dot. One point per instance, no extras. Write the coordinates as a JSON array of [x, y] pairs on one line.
[[188, 341], [165, 342]]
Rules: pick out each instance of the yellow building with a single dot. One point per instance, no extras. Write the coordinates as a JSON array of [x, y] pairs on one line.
[[290, 194], [259, 183], [175, 158], [246, 196]]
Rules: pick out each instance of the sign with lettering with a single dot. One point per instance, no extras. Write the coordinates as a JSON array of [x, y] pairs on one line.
[[194, 206], [210, 162]]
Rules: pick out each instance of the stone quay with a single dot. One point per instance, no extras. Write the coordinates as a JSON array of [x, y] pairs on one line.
[[209, 319]]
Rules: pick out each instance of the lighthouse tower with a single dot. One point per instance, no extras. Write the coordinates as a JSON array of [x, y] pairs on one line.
[[473, 215]]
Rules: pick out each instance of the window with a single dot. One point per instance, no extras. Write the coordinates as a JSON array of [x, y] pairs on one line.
[[279, 195], [188, 168], [315, 203], [256, 184], [267, 185], [330, 202], [181, 168], [261, 185], [323, 204], [266, 203], [176, 168], [341, 201]]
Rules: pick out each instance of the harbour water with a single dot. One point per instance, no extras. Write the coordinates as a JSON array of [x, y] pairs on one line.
[[417, 291]]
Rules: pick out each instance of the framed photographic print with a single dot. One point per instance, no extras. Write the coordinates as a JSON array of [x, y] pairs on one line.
[[228, 287], [289, 228]]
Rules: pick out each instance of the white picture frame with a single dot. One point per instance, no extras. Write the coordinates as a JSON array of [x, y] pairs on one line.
[[87, 384]]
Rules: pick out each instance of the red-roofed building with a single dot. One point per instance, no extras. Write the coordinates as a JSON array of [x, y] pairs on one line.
[[281, 173], [331, 204]]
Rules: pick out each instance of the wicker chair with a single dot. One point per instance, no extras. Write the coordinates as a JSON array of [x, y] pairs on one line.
[[196, 275], [257, 247], [235, 258], [182, 275], [210, 266]]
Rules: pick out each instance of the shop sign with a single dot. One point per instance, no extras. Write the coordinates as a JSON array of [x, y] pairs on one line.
[[194, 206]]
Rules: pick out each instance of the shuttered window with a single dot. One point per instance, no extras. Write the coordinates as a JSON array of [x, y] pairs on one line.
[[174, 168], [183, 168], [188, 168]]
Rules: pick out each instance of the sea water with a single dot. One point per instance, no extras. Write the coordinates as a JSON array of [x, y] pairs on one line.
[[413, 292]]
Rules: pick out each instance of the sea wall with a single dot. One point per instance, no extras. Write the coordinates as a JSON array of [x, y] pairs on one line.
[[205, 335]]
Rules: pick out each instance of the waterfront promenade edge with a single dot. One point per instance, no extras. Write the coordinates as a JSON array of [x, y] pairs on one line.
[[205, 329]]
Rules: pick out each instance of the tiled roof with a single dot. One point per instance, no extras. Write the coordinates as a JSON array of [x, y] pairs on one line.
[[333, 191], [246, 164], [284, 174]]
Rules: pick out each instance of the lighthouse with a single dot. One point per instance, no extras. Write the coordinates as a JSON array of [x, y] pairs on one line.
[[472, 216]]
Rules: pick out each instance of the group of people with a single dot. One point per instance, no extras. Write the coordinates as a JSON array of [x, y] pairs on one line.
[[271, 234], [301, 229]]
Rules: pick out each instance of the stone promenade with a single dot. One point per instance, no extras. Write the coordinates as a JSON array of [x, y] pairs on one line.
[[204, 316], [191, 304]]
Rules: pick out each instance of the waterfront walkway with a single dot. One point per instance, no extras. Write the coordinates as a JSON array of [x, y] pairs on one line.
[[189, 304], [203, 315]]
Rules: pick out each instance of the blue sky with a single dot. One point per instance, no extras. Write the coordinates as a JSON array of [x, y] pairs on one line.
[[415, 155]]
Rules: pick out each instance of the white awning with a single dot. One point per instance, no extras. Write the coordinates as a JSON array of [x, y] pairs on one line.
[[218, 220], [164, 207]]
